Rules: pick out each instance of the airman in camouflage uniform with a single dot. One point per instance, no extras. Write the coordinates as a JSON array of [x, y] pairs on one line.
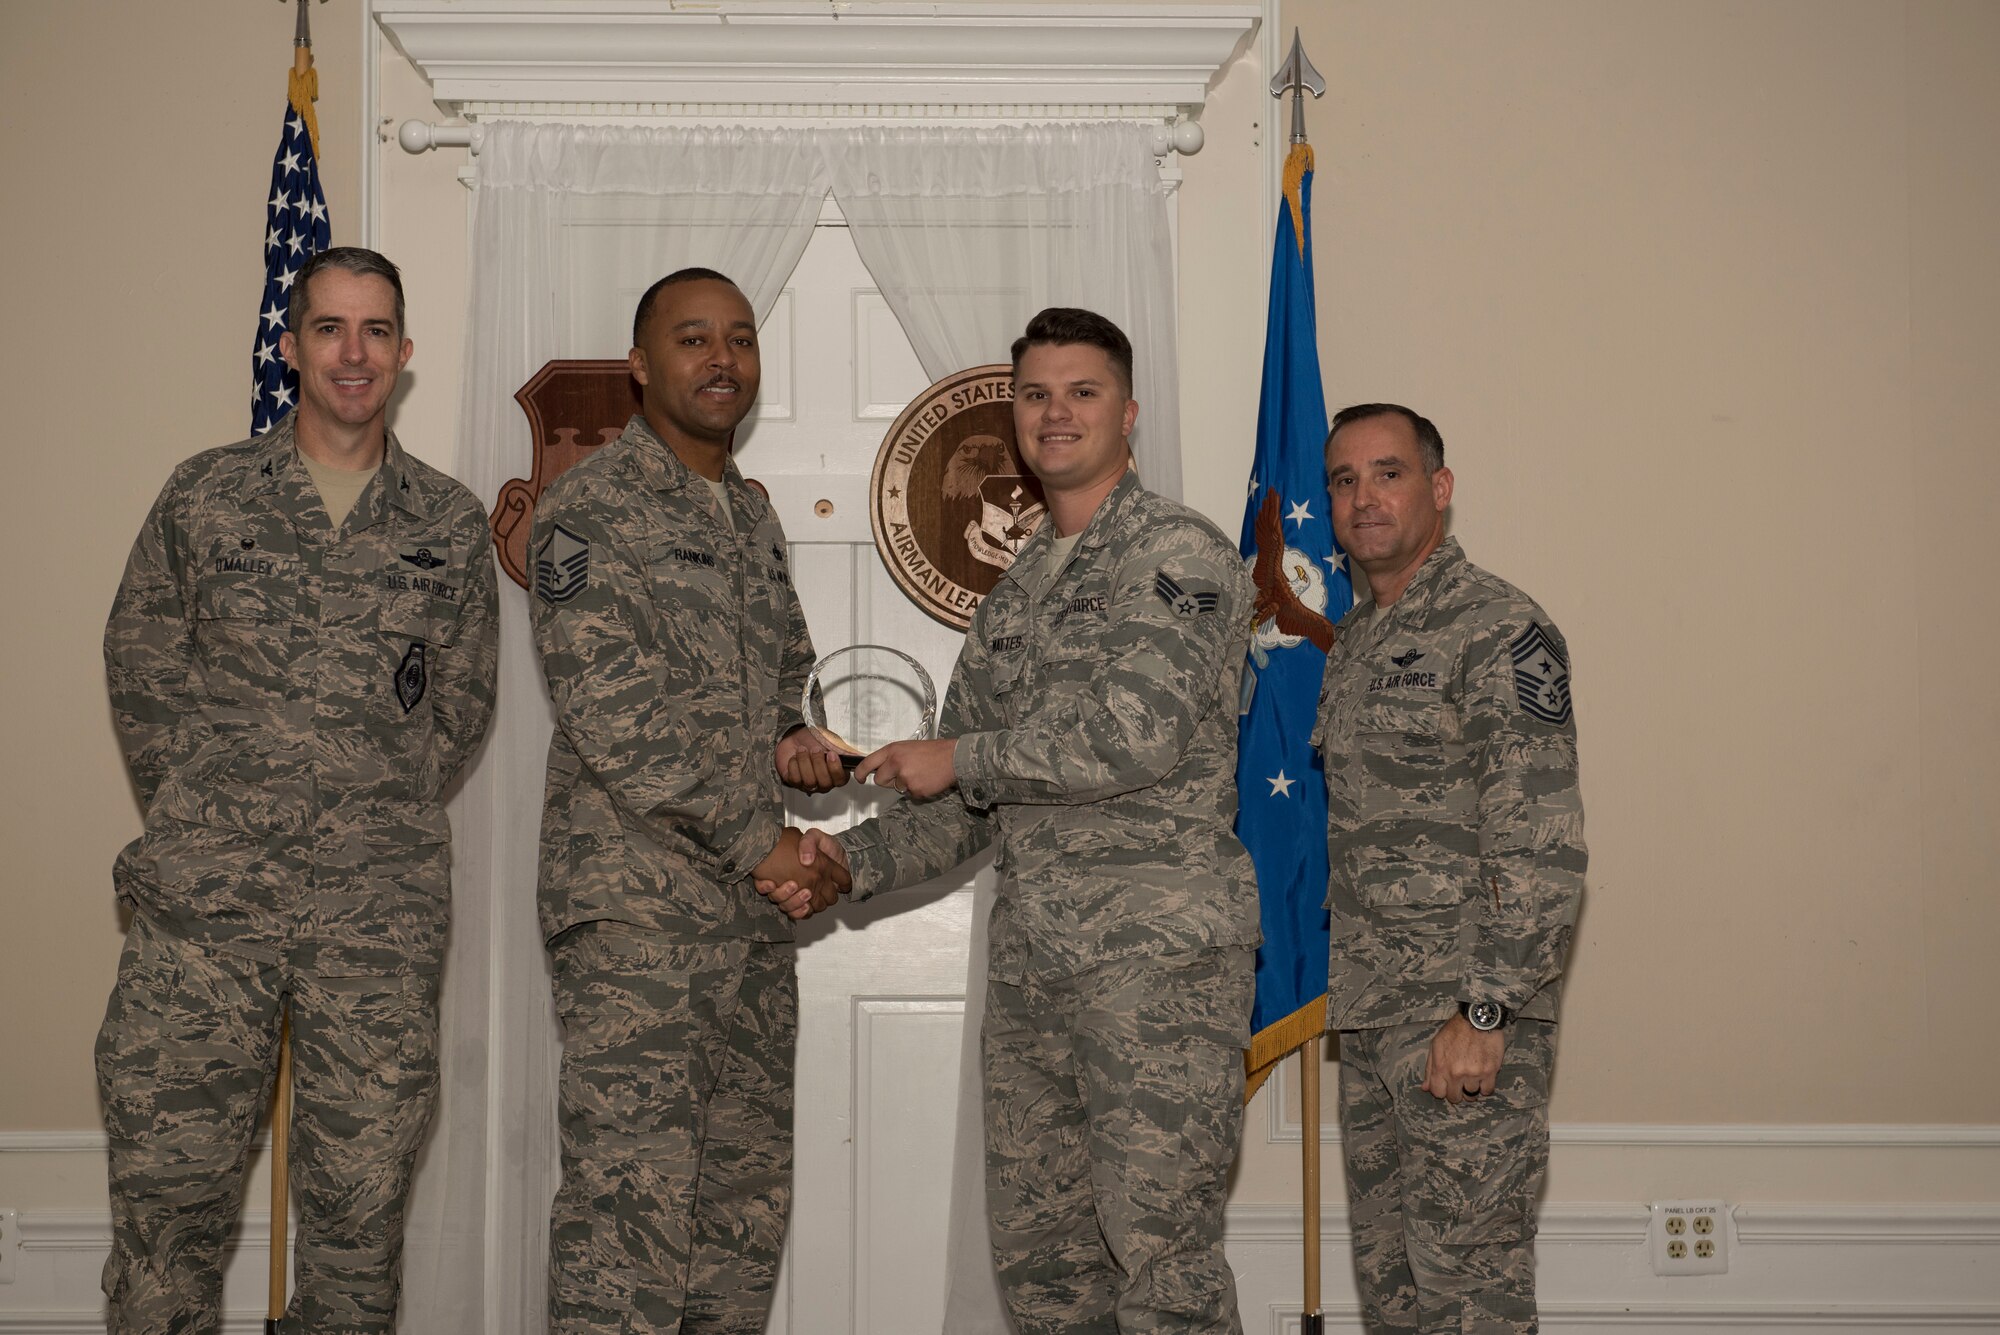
[[1092, 738], [1456, 846], [293, 696], [675, 651]]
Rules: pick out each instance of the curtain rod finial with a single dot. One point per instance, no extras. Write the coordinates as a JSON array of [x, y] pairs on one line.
[[1183, 137]]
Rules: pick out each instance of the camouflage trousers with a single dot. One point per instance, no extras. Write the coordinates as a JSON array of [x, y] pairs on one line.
[[1113, 1113], [1441, 1199], [185, 1063], [676, 1121]]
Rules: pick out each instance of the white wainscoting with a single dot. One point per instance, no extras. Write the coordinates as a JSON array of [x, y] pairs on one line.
[[55, 1289], [1885, 1269], [1827, 1266]]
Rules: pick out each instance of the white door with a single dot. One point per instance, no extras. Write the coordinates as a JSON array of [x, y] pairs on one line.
[[881, 985]]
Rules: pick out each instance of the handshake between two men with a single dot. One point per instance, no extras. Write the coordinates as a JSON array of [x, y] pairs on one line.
[[807, 872]]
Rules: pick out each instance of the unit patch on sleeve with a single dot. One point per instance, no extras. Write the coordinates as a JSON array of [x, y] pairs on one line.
[[562, 566], [1541, 675], [1193, 598], [411, 677]]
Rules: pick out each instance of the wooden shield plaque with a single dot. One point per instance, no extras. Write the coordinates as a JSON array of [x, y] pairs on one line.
[[573, 408], [950, 500]]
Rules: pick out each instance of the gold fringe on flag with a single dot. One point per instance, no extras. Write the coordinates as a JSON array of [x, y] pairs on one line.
[[1297, 163], [1282, 1037]]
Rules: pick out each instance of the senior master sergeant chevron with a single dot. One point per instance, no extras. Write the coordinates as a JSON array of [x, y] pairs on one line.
[[301, 657], [1455, 834], [1091, 732]]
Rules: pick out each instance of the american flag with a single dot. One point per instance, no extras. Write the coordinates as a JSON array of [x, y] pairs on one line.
[[297, 229]]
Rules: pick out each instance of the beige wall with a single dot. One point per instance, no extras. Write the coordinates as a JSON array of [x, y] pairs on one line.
[[1949, 568], [1699, 293], [1694, 291], [136, 140]]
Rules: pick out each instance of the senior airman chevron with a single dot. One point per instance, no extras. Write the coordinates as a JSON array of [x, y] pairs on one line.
[[1189, 599]]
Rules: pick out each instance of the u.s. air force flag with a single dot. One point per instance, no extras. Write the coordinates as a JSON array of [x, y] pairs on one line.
[[1303, 588]]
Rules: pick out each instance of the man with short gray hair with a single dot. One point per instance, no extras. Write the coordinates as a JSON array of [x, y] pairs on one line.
[[1457, 859]]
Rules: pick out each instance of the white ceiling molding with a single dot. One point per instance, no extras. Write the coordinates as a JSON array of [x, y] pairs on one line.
[[835, 57]]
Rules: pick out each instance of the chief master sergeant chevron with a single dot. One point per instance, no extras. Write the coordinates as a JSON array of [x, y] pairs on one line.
[[301, 657], [1455, 840]]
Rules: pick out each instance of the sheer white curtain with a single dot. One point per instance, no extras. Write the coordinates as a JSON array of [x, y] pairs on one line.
[[968, 233], [569, 225]]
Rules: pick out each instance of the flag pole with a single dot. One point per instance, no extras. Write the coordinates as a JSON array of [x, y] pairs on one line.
[[303, 86], [281, 1127], [301, 91], [1297, 77], [1311, 1322]]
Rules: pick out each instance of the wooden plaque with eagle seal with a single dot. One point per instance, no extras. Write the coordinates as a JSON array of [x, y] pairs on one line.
[[575, 408], [950, 500]]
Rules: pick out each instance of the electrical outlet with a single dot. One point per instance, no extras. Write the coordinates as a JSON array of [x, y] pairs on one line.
[[1689, 1237], [10, 1244]]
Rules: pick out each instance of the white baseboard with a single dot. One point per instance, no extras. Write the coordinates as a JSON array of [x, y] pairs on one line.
[[1884, 1269], [1829, 1266], [1663, 1319]]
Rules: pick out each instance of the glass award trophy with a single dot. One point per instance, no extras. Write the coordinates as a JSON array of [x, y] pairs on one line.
[[861, 698]]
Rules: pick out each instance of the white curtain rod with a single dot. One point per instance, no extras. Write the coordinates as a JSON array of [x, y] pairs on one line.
[[1183, 136]]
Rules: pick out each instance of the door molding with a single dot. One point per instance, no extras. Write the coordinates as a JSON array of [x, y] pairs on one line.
[[877, 57]]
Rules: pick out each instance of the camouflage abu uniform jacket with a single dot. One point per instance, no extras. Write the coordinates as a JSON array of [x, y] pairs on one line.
[[1455, 825], [292, 701], [675, 651], [1096, 731]]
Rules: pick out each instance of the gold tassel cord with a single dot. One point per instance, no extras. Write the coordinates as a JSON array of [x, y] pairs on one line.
[[303, 90]]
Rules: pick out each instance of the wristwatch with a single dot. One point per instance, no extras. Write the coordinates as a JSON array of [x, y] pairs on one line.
[[1485, 1016]]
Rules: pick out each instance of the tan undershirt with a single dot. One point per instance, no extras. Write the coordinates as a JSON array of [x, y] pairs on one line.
[[339, 488], [1059, 551], [721, 490]]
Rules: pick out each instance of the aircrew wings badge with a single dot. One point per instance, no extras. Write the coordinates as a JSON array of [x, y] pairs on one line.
[[1541, 675], [422, 558], [1186, 600], [562, 566]]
